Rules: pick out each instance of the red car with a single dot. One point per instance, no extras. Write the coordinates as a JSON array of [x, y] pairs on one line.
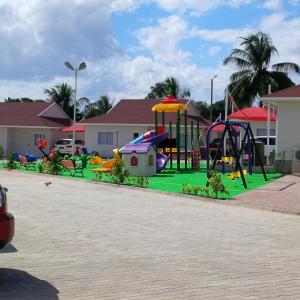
[[7, 222]]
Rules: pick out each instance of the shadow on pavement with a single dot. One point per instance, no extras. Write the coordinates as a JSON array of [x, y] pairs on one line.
[[17, 284], [8, 249]]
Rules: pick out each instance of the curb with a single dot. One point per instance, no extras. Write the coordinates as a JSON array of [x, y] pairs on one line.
[[228, 202]]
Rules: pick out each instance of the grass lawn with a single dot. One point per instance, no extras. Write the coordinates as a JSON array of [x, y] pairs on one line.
[[172, 180]]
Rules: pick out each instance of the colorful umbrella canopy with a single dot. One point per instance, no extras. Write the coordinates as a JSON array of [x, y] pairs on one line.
[[169, 104], [252, 114], [78, 128]]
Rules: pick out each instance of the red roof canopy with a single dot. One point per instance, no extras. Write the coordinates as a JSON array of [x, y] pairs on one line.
[[221, 128], [78, 128], [252, 114]]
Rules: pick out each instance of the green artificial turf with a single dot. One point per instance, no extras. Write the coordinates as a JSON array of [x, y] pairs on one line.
[[172, 180]]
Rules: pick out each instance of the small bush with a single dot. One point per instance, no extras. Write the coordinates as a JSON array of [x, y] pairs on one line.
[[40, 167], [11, 164], [216, 184], [119, 173]]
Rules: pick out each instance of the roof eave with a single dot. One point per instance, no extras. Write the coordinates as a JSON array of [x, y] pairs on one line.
[[279, 99]]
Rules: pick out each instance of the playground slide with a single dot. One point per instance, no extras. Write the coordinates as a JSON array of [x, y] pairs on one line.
[[161, 161], [150, 137]]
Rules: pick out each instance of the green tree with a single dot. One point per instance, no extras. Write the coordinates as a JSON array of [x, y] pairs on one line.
[[62, 94], [102, 106], [202, 108], [170, 86], [22, 100], [255, 73]]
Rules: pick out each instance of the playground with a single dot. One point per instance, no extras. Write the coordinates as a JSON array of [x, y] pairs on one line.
[[162, 160]]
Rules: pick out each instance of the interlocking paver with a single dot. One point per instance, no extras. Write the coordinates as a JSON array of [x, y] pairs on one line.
[[77, 240]]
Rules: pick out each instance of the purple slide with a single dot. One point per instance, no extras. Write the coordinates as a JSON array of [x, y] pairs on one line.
[[161, 161]]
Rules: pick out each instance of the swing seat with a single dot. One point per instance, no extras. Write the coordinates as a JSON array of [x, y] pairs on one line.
[[231, 176]]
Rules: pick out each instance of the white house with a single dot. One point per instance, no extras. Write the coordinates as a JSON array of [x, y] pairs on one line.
[[287, 103], [23, 124], [128, 119]]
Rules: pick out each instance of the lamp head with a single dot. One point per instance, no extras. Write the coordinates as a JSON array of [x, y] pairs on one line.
[[82, 66], [69, 66]]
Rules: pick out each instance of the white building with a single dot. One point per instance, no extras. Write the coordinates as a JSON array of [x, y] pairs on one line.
[[287, 103], [23, 124]]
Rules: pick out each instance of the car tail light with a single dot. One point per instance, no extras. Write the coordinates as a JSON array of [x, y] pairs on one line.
[[3, 199]]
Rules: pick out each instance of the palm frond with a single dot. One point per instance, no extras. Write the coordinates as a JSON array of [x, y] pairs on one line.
[[286, 67]]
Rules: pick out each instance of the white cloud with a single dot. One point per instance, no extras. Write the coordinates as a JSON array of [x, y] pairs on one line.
[[214, 50], [272, 4], [162, 40]]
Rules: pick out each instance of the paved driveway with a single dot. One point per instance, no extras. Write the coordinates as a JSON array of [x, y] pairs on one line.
[[77, 240]]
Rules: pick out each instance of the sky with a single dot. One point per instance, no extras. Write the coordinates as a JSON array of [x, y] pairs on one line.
[[129, 45]]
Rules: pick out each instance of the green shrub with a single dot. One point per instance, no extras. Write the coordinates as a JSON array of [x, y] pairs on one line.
[[40, 167], [119, 173], [53, 165], [216, 184], [11, 164]]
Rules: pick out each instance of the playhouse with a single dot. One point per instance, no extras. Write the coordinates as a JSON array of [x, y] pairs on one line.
[[139, 159]]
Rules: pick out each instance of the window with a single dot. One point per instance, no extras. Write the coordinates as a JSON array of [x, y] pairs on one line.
[[134, 161], [105, 138], [150, 160], [37, 137], [272, 141], [135, 135], [264, 132], [63, 142]]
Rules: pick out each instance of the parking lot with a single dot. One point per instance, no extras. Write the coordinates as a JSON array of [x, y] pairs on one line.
[[79, 240]]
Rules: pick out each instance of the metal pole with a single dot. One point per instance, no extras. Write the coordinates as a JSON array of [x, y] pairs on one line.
[[171, 146], [268, 135], [178, 139], [226, 114], [74, 114], [155, 122], [185, 140], [211, 98]]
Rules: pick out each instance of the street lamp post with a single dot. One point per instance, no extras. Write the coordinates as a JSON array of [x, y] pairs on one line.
[[211, 95], [82, 66]]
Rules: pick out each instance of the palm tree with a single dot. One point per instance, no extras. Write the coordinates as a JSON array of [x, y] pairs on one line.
[[255, 73], [102, 106], [62, 95], [168, 87]]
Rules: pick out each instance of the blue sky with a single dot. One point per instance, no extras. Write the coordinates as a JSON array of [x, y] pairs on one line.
[[129, 45]]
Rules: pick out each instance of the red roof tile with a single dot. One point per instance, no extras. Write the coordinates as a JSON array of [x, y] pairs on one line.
[[293, 91], [138, 111], [26, 114]]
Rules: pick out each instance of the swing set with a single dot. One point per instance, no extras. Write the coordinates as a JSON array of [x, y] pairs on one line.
[[248, 145]]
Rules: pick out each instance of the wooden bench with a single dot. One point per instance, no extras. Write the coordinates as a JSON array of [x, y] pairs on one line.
[[70, 166]]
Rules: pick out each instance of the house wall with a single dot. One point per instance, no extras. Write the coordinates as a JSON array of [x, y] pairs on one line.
[[122, 134], [21, 140], [3, 139], [288, 136]]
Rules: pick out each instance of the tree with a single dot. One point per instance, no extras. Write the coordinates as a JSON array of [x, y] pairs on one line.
[[102, 106], [218, 108], [202, 108], [62, 94], [22, 100], [255, 73], [168, 87]]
